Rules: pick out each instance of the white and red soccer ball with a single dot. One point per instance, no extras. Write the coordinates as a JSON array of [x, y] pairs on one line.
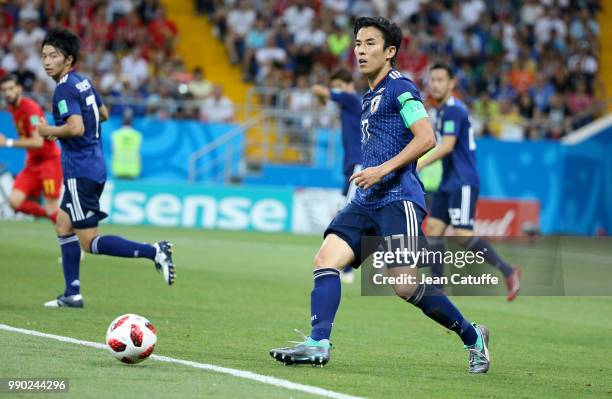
[[131, 338]]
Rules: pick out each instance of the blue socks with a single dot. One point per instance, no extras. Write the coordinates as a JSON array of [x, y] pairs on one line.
[[490, 256], [71, 259], [118, 246], [439, 308], [437, 246], [324, 302]]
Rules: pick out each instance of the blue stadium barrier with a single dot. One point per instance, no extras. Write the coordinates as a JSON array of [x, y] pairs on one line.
[[572, 182], [166, 148]]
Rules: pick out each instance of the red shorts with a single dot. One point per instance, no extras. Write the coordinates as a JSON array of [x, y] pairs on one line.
[[41, 177]]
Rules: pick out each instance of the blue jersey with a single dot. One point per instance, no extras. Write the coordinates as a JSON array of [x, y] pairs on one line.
[[459, 167], [387, 110], [81, 156], [350, 112]]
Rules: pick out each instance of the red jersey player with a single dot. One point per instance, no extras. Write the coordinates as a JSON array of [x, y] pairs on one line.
[[43, 169]]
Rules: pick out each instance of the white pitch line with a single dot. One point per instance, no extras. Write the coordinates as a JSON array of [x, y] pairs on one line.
[[218, 369]]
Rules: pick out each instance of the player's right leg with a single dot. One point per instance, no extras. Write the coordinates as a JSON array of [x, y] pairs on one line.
[[71, 258], [341, 246], [324, 302], [347, 274]]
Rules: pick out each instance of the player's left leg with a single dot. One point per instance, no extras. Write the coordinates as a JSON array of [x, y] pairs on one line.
[[82, 201], [404, 218], [50, 176], [26, 185]]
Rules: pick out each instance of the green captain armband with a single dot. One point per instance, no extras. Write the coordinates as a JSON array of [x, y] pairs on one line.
[[412, 109]]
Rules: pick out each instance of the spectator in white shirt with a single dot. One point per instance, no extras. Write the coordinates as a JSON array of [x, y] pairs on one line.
[[298, 16], [135, 67], [239, 23], [30, 36], [217, 108]]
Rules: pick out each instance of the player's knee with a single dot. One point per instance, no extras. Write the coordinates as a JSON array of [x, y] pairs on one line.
[[323, 260], [434, 228], [404, 291], [15, 202]]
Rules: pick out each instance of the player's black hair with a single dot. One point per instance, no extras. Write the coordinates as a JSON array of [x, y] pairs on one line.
[[342, 74], [65, 41], [11, 77], [390, 31], [446, 67]]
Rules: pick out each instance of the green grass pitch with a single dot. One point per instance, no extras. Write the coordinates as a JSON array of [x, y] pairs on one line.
[[239, 294]]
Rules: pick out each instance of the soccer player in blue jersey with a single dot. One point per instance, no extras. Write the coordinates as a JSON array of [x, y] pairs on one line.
[[78, 111], [344, 94], [455, 201], [395, 132]]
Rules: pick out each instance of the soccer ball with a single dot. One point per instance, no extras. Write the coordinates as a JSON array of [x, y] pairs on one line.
[[131, 338]]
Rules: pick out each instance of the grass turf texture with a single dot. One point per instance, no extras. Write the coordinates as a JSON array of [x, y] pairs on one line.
[[239, 294]]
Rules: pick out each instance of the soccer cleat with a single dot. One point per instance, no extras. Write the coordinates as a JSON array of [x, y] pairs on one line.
[[71, 301], [163, 261], [513, 282], [478, 354], [315, 353]]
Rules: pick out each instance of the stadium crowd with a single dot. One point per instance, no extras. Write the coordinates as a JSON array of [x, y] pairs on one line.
[[128, 50], [527, 68]]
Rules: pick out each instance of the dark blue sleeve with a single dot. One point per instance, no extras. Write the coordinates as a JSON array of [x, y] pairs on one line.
[[340, 97], [68, 101], [452, 120]]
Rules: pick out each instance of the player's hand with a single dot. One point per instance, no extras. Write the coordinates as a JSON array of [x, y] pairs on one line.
[[2, 140], [419, 166], [368, 177], [44, 128]]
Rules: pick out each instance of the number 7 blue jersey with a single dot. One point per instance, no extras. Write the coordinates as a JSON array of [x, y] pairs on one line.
[[387, 110], [81, 156], [459, 167]]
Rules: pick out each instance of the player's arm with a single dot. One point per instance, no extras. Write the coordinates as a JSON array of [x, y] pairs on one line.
[[29, 143], [416, 119], [74, 127], [443, 149], [102, 110], [103, 113], [321, 92], [453, 120]]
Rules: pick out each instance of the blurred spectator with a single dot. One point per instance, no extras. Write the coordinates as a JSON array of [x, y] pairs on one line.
[[199, 86], [135, 67], [298, 16], [508, 125], [239, 23], [26, 77], [580, 103], [30, 36], [163, 31], [541, 91], [216, 107], [555, 118], [267, 56], [485, 111], [301, 100]]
